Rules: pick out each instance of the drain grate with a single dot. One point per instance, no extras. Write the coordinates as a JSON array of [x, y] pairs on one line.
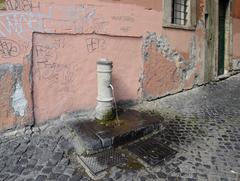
[[101, 161], [152, 151]]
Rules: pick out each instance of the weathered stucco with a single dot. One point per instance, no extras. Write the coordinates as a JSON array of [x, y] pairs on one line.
[[236, 34], [236, 44], [235, 8], [14, 105], [166, 71], [57, 43], [19, 103], [147, 4], [236, 38], [64, 71]]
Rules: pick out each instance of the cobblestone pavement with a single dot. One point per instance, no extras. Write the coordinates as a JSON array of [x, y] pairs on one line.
[[38, 155], [203, 125]]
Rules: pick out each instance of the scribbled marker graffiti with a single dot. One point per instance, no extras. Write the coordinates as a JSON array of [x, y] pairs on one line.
[[9, 48], [94, 44], [19, 5]]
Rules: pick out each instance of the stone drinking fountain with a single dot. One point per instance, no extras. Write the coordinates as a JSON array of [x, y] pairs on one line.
[[96, 140], [106, 131], [104, 109]]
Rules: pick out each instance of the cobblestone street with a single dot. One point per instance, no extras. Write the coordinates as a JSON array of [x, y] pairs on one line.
[[202, 125]]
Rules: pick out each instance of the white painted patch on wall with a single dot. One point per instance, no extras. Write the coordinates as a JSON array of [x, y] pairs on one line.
[[236, 64], [19, 103]]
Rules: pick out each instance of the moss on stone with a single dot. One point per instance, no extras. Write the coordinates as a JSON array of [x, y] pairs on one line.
[[133, 164], [107, 119], [109, 123]]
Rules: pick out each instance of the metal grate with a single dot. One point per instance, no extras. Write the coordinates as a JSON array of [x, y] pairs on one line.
[[179, 12], [101, 161], [152, 151]]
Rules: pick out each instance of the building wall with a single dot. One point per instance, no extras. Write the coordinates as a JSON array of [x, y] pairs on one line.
[[236, 34], [49, 50]]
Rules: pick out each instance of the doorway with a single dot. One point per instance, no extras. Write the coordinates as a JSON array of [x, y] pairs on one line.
[[222, 35], [218, 45]]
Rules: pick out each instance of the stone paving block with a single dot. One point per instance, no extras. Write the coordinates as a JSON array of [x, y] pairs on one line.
[[63, 177], [59, 169], [47, 170], [29, 179], [69, 171], [3, 176], [12, 177], [75, 178], [41, 178], [57, 156]]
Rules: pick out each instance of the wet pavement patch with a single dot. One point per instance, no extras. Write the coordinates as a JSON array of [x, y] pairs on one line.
[[91, 137], [152, 151], [97, 163]]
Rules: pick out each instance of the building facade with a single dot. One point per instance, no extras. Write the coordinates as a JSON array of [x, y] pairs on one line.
[[49, 49]]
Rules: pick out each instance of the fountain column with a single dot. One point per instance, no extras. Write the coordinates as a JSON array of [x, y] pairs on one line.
[[104, 108]]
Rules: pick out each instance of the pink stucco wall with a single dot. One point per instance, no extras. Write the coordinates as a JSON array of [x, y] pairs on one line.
[[236, 38], [58, 43], [70, 36], [64, 69]]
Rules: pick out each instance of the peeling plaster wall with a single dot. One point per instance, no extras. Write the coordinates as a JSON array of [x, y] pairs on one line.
[[14, 105], [57, 43], [166, 71], [19, 102], [236, 44], [236, 34], [74, 34]]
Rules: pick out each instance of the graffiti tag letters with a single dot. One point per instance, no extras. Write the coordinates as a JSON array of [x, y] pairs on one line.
[[94, 44], [9, 48], [45, 54], [58, 76], [19, 5]]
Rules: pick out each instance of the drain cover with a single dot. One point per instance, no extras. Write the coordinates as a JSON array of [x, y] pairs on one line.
[[152, 151], [101, 161]]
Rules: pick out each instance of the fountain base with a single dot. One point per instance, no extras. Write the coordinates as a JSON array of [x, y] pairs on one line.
[[92, 136]]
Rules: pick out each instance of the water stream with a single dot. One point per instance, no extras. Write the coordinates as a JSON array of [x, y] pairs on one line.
[[115, 104]]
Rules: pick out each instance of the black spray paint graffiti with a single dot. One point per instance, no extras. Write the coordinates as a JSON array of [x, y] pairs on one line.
[[94, 44], [19, 5], [54, 72], [49, 70], [45, 54], [9, 48]]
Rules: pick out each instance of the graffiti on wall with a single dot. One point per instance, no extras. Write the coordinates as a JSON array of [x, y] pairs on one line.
[[123, 18], [9, 48], [49, 70], [18, 5], [95, 44], [23, 21], [54, 73], [20, 23]]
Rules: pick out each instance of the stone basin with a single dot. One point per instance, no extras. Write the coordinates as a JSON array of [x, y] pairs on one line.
[[91, 137]]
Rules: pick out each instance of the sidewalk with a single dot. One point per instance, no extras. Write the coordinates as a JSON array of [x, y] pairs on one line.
[[202, 125]]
